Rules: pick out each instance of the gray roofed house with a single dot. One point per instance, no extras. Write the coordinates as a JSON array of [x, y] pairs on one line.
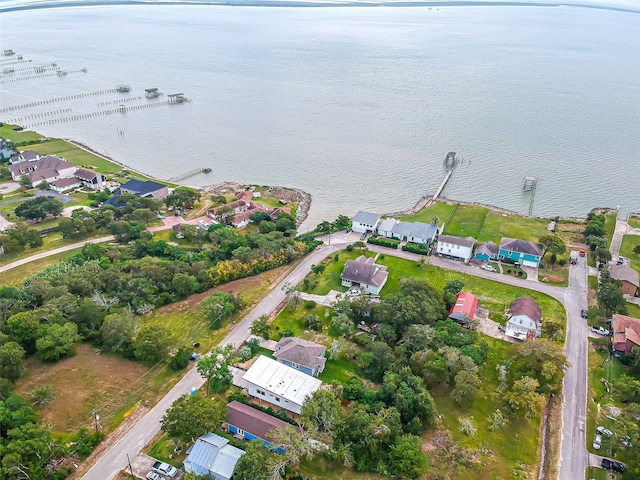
[[365, 222], [303, 355], [385, 227], [628, 276], [486, 251], [521, 246], [463, 242], [212, 455], [457, 248], [25, 156], [415, 232], [364, 273]]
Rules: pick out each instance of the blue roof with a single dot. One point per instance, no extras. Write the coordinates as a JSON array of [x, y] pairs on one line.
[[115, 200], [213, 453], [141, 188]]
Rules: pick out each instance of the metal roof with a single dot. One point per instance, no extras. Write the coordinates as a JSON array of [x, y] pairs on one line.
[[423, 231], [214, 453], [281, 380]]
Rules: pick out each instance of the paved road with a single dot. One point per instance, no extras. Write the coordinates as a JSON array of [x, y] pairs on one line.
[[142, 432], [574, 457], [48, 253]]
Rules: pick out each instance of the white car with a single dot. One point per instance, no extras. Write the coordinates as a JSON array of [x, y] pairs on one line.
[[600, 331], [154, 476], [597, 443], [489, 268], [604, 431]]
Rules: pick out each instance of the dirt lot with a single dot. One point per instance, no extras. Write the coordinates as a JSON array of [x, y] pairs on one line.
[[81, 383]]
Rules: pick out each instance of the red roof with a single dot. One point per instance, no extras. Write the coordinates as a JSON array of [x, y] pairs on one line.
[[465, 307]]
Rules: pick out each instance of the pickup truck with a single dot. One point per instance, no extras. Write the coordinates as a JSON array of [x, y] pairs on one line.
[[600, 331], [574, 257], [165, 469]]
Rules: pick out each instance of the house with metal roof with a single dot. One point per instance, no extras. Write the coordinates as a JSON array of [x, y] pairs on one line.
[[213, 456], [303, 355], [247, 423], [456, 248], [279, 386], [486, 251], [365, 222], [524, 319], [521, 252], [464, 310], [146, 189], [627, 276], [365, 274], [414, 232]]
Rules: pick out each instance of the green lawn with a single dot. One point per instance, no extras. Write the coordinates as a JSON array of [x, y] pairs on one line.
[[498, 224], [164, 450], [499, 452], [626, 250], [633, 310], [339, 371], [468, 221], [8, 132], [321, 468], [330, 278], [594, 473], [441, 210], [634, 222], [610, 226], [75, 155], [17, 275]]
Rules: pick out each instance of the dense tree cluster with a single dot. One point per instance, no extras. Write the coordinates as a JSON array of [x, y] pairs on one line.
[[595, 234], [38, 208]]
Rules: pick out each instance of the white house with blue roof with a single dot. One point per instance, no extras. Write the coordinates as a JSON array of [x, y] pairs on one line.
[[213, 456]]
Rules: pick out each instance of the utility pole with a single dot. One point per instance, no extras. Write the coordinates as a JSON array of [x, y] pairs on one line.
[[130, 467], [96, 417]]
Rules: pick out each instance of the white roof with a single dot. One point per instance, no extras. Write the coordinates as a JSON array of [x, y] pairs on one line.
[[281, 380]]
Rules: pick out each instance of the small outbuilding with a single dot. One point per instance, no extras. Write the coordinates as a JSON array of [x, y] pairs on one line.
[[213, 456], [464, 310]]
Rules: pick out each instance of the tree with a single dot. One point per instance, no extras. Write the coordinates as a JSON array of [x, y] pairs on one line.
[[377, 359], [260, 327], [225, 214], [628, 388], [216, 308], [57, 341], [342, 222], [312, 322], [636, 249], [24, 328], [343, 324], [453, 286], [215, 368], [552, 244], [466, 387], [602, 255], [253, 465], [408, 395], [541, 359], [152, 343], [406, 458], [184, 285], [44, 185], [191, 416], [118, 331], [322, 410], [610, 296], [524, 397], [25, 181], [11, 360], [182, 198], [418, 337]]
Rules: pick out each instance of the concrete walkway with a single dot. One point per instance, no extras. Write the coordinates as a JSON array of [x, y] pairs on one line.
[[616, 241]]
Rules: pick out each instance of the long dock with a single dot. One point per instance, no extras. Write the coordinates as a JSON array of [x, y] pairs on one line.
[[190, 173], [442, 185]]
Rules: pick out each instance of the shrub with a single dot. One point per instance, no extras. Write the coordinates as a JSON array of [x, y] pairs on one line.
[[415, 248], [383, 242], [312, 322], [520, 273], [349, 248], [309, 304], [563, 262], [286, 333], [181, 359]]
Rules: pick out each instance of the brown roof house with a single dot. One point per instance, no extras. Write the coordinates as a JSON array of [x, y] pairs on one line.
[[250, 424], [524, 319], [47, 168], [303, 355], [628, 276], [364, 273], [626, 334]]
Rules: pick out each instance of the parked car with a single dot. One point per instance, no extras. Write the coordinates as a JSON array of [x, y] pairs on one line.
[[363, 236], [489, 268], [154, 476], [625, 440], [613, 465], [584, 314], [583, 253], [165, 469], [621, 260], [600, 331], [604, 431], [597, 443]]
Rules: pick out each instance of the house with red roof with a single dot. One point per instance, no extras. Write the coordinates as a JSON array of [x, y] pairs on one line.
[[248, 423], [626, 334], [464, 310]]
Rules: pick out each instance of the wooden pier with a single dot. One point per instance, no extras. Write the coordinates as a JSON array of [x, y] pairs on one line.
[[442, 185], [190, 173]]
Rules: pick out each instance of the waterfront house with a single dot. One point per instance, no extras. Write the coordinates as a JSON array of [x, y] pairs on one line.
[[386, 226], [91, 179], [274, 384], [242, 210], [626, 334], [486, 251], [48, 168], [213, 456], [365, 274], [524, 319], [145, 189], [65, 184], [414, 232], [521, 252], [627, 276], [365, 222], [248, 423], [464, 310], [303, 355], [25, 156], [456, 248]]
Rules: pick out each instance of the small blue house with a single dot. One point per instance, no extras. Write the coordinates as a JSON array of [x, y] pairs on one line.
[[486, 251], [213, 456], [521, 252], [303, 355], [250, 424]]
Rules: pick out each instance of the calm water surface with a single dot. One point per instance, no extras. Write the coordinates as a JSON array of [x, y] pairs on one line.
[[359, 105]]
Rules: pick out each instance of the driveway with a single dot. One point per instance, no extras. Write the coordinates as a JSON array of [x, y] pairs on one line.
[[143, 464], [328, 300], [50, 193]]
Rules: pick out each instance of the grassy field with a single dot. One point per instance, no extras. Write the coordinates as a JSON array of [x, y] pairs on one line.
[[499, 453], [467, 221], [75, 155], [633, 310], [321, 468], [51, 242], [330, 278], [634, 221], [441, 210], [626, 250], [594, 473], [8, 132], [17, 275], [498, 224], [113, 385]]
